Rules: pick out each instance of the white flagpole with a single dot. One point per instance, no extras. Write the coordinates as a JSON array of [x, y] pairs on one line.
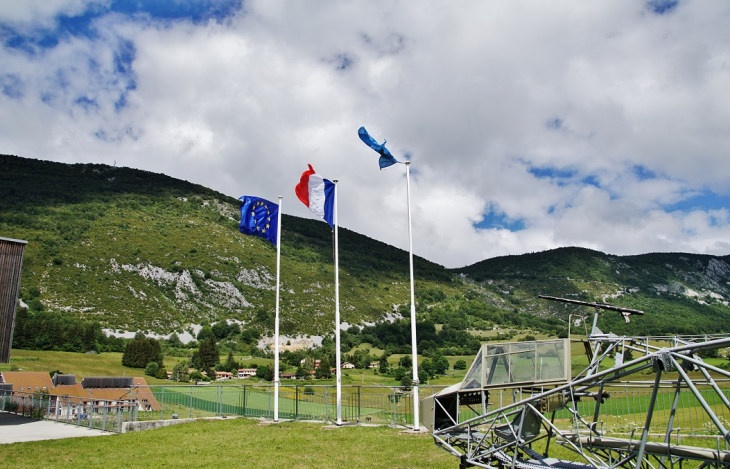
[[416, 423], [337, 317], [276, 321]]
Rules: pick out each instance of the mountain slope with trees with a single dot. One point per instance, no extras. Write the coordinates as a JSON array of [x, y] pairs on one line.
[[132, 250]]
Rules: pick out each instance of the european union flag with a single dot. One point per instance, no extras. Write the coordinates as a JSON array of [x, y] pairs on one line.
[[259, 217]]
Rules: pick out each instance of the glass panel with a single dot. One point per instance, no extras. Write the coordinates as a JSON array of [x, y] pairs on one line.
[[474, 379], [498, 369], [550, 360]]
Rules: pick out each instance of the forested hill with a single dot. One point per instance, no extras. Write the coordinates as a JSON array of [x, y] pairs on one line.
[[681, 293], [138, 250], [134, 250]]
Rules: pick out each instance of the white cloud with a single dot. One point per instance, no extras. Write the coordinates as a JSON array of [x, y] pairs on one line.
[[477, 93]]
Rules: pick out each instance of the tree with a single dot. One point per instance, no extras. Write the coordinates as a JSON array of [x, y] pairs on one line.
[[151, 369], [383, 364], [206, 332], [423, 375], [180, 371], [231, 363], [174, 340], [427, 368], [209, 353], [406, 361], [406, 381], [440, 364], [141, 351], [161, 373], [460, 365], [262, 371], [324, 370], [220, 330]]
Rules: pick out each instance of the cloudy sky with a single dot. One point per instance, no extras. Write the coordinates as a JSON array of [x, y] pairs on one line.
[[530, 125]]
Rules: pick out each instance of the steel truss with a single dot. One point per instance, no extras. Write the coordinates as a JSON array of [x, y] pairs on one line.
[[505, 436]]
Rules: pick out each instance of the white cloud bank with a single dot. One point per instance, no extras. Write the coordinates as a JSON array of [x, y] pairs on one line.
[[587, 124]]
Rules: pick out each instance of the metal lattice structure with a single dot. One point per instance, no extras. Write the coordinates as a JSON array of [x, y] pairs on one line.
[[11, 263], [546, 413]]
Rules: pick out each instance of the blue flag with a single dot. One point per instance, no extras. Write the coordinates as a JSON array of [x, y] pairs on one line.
[[386, 159], [259, 217]]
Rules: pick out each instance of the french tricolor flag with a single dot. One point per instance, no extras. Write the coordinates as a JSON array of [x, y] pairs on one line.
[[318, 194]]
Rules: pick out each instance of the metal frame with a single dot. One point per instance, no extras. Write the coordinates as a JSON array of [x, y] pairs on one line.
[[504, 435]]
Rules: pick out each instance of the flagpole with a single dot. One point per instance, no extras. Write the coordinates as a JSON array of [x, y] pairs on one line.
[[276, 322], [337, 317], [416, 423]]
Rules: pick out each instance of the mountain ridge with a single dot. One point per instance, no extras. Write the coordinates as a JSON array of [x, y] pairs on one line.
[[136, 250]]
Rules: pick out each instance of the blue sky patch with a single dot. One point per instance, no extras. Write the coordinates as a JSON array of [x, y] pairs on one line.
[[662, 7], [551, 173], [704, 200], [643, 173], [555, 123], [500, 221], [197, 12], [11, 86]]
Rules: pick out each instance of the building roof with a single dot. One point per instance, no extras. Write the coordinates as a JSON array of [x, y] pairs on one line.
[[28, 381], [33, 381]]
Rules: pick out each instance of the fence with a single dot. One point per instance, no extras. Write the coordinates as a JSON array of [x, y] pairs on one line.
[[360, 404], [99, 414], [623, 412]]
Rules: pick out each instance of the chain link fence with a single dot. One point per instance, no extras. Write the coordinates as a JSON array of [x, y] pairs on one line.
[[623, 412]]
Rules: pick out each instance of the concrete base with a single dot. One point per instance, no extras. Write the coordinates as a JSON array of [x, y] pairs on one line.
[[420, 431], [270, 422], [152, 424]]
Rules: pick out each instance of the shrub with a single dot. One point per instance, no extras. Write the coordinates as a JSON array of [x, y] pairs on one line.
[[151, 369]]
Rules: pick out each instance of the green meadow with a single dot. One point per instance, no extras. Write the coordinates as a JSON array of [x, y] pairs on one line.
[[237, 443]]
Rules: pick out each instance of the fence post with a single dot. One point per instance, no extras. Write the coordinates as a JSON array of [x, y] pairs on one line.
[[326, 403], [296, 402], [244, 400], [359, 404], [103, 422], [162, 404], [119, 417], [191, 401], [394, 404]]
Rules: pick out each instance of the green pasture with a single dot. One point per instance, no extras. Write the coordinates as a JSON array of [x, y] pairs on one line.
[[237, 443]]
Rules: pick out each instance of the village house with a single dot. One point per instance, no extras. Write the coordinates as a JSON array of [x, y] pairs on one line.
[[246, 372], [348, 366], [92, 394]]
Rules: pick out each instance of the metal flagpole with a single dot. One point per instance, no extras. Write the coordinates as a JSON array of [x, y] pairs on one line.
[[337, 317], [276, 322], [416, 423]]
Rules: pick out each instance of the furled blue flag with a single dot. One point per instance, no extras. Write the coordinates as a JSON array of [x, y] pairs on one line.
[[386, 159], [259, 217]]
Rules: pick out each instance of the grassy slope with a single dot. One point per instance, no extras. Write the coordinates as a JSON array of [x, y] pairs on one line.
[[96, 233], [240, 442], [655, 283], [237, 443]]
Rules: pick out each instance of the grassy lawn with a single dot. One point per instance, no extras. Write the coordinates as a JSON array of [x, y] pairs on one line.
[[237, 443]]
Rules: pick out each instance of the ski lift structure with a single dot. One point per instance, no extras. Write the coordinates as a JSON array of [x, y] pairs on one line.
[[518, 404]]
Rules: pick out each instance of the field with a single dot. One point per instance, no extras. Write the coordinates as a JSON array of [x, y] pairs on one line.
[[237, 443], [110, 364]]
